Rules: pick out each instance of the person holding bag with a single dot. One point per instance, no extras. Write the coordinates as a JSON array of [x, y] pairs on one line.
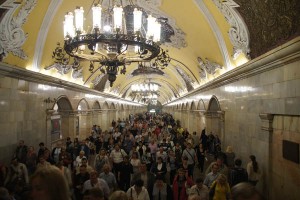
[[220, 189]]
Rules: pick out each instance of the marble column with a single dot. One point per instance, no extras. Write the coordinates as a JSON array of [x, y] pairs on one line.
[[267, 134]]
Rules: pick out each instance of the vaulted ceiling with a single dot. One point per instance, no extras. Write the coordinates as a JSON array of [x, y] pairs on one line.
[[207, 39]]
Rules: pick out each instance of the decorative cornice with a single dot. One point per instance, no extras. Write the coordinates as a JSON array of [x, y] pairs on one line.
[[12, 35], [43, 33], [289, 52], [238, 32], [215, 29], [23, 74]]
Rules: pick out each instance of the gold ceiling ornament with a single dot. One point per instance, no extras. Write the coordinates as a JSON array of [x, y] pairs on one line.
[[121, 34]]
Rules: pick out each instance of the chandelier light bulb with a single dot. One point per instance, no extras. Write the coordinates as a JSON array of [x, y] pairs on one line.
[[68, 25], [151, 27], [157, 31], [137, 20], [107, 28], [118, 16], [97, 9], [79, 19]]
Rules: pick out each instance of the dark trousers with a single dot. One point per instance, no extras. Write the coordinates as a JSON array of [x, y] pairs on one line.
[[191, 170]]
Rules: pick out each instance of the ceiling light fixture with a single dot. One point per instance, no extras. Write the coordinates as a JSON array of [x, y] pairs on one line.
[[122, 33]]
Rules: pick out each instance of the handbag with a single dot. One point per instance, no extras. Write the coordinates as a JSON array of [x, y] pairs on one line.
[[187, 188], [212, 191]]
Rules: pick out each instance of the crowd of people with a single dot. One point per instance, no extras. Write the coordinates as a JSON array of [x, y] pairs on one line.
[[143, 157]]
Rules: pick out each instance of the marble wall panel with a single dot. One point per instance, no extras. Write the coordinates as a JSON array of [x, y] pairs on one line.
[[273, 76], [4, 94], [292, 105], [292, 71], [5, 82]]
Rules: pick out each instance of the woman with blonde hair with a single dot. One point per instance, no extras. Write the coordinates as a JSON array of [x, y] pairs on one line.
[[220, 189], [230, 156], [49, 184]]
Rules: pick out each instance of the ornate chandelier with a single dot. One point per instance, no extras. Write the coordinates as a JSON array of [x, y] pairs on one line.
[[145, 87], [145, 92], [120, 35]]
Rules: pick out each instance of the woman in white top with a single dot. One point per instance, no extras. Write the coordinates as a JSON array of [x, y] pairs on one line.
[[254, 173], [138, 191], [135, 162]]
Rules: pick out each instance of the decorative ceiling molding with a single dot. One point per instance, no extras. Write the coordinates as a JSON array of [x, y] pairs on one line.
[[215, 29], [97, 80], [65, 69], [12, 35], [238, 32], [152, 7], [208, 66], [76, 74], [61, 69], [189, 82], [43, 33]]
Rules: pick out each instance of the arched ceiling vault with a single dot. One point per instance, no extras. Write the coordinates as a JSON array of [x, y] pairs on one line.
[[210, 38]]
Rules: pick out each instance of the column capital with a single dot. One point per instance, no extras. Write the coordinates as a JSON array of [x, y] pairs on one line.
[[267, 121]]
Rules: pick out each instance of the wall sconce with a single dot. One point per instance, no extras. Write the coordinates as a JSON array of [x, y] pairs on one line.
[[48, 102]]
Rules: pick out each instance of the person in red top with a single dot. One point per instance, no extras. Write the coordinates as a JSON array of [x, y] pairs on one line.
[[157, 131], [181, 182]]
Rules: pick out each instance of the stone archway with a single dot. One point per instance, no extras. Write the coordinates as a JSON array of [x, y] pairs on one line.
[[85, 119], [57, 121], [215, 119]]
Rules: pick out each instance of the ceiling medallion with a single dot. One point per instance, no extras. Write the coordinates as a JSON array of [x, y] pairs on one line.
[[121, 35]]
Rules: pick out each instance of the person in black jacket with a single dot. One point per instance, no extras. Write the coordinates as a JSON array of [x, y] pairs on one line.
[[126, 170], [237, 174], [79, 180], [161, 190], [159, 168]]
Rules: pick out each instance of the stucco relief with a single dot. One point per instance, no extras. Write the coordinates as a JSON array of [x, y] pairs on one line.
[[178, 39], [187, 79], [238, 31], [61, 69], [12, 36], [208, 66]]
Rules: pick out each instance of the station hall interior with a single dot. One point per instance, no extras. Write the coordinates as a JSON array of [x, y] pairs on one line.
[[229, 66]]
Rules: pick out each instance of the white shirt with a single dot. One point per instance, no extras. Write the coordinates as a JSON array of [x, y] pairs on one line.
[[100, 184], [143, 195], [117, 156]]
